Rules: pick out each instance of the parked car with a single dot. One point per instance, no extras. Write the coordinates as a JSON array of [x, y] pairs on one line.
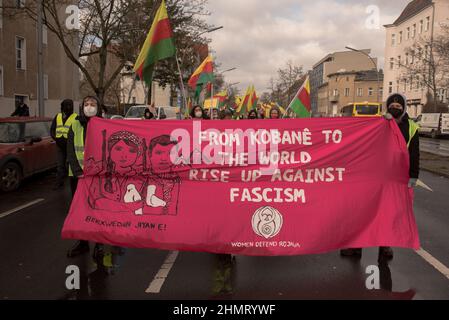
[[26, 148], [434, 124], [162, 113]]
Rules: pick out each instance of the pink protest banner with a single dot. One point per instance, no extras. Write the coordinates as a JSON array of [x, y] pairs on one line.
[[265, 187]]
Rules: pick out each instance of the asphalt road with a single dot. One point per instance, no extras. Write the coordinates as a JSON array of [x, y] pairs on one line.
[[33, 260]]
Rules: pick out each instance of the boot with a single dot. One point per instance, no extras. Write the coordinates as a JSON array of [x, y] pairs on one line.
[[79, 248]]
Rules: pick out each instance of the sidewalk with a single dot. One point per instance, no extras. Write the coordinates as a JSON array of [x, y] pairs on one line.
[[435, 164]]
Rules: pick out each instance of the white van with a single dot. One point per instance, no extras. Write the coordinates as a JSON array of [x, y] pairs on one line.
[[434, 124]]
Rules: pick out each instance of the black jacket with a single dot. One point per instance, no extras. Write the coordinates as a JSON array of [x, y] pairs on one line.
[[61, 142], [71, 155], [413, 149]]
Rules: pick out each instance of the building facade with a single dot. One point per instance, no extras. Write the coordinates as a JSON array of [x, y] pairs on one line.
[[418, 23], [343, 88], [346, 61], [19, 65]]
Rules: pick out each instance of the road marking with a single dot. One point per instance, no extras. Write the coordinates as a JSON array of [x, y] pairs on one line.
[[434, 262], [159, 279], [32, 203]]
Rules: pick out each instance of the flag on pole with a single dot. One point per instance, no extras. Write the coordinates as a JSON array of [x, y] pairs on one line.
[[243, 107], [301, 102], [202, 75], [254, 99], [158, 45]]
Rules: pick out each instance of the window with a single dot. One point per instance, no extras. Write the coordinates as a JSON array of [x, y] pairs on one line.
[[1, 81], [406, 59], [391, 63], [46, 86], [335, 92], [393, 39], [20, 4], [405, 85], [1, 14], [412, 57], [44, 34], [400, 37], [421, 26], [370, 91], [427, 24], [390, 87], [414, 31], [381, 91], [411, 83], [359, 92], [36, 129], [20, 53], [407, 36], [399, 61], [347, 92]]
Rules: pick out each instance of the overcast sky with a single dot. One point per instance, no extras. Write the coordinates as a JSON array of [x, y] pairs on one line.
[[260, 36]]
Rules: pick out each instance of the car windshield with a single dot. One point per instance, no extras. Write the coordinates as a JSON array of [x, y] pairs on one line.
[[135, 112], [367, 109], [9, 133]]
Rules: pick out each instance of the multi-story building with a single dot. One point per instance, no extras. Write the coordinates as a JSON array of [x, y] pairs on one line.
[[347, 61], [343, 88], [420, 22], [19, 65]]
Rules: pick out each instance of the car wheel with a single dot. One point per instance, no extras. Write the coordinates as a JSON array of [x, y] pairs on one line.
[[10, 177]]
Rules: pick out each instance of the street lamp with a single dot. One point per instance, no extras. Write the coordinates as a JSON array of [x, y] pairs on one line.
[[375, 66], [211, 30]]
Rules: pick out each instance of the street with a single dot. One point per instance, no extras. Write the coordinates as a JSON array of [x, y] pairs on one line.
[[34, 260]]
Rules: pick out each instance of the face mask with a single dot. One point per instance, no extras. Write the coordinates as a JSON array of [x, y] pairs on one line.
[[252, 117], [198, 114], [90, 111], [396, 113]]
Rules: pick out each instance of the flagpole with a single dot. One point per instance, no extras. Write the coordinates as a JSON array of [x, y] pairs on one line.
[[182, 84], [290, 105]]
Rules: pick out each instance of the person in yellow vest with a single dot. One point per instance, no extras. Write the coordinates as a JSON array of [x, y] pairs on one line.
[[89, 109], [397, 109], [59, 132]]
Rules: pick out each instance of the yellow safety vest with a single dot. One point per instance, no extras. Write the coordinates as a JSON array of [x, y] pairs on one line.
[[62, 129], [413, 129], [78, 143]]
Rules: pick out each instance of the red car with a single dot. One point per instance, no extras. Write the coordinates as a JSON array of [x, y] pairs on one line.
[[26, 148]]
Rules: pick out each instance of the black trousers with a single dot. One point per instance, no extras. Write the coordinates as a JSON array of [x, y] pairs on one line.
[[61, 172]]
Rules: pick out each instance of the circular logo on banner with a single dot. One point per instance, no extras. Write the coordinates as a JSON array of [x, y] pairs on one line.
[[267, 222]]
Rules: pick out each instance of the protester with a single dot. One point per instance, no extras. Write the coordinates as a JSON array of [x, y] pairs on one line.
[[214, 114], [22, 110], [148, 115], [59, 132], [198, 113], [89, 109], [275, 113], [252, 115], [397, 108], [226, 115]]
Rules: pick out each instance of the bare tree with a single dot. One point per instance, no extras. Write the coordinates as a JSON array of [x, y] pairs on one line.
[[114, 30], [283, 88], [427, 66]]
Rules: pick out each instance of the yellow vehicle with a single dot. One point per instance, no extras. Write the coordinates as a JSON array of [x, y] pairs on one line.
[[362, 109]]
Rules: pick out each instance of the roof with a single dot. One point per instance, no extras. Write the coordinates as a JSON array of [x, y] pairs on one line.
[[24, 119], [365, 75], [412, 9]]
